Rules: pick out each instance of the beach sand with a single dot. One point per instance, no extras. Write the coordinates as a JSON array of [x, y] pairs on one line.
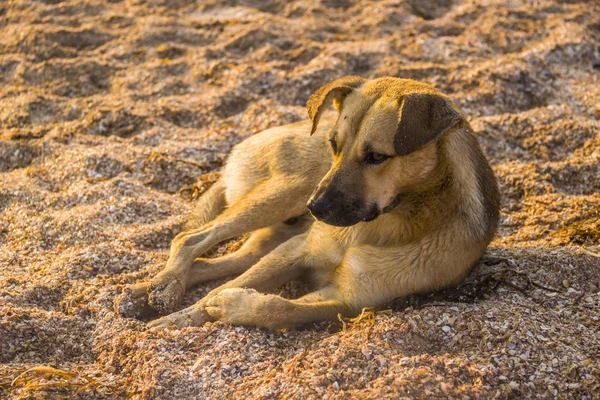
[[116, 115]]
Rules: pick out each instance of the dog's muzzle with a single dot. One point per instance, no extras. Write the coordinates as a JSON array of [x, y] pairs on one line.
[[339, 213]]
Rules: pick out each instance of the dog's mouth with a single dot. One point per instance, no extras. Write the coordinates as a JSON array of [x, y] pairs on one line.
[[347, 217], [371, 217]]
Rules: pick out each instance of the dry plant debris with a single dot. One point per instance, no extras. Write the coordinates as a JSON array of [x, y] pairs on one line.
[[116, 114]]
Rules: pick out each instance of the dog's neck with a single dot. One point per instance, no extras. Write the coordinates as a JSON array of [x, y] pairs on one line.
[[413, 199]]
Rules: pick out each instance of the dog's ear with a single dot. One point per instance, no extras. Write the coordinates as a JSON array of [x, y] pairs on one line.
[[423, 118], [334, 91]]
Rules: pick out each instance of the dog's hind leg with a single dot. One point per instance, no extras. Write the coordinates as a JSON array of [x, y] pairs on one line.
[[169, 283], [208, 207], [134, 300], [166, 289], [260, 243], [267, 204], [283, 264]]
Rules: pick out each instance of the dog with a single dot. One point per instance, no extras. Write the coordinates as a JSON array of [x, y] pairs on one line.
[[394, 197]]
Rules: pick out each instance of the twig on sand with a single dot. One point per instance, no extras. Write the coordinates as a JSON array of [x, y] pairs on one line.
[[590, 253], [366, 316], [31, 379]]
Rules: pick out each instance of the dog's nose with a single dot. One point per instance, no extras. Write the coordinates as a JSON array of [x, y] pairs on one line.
[[319, 207]]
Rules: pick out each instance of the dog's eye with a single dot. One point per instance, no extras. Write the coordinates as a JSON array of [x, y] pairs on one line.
[[333, 145], [375, 158]]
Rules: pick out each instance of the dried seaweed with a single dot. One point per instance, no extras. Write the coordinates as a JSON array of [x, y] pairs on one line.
[[117, 115]]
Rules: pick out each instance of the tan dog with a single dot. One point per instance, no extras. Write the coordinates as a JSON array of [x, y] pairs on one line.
[[404, 200]]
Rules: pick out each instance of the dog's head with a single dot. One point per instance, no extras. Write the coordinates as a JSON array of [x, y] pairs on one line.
[[383, 144]]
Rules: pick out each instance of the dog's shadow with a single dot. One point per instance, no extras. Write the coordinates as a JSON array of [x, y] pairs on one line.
[[492, 272]]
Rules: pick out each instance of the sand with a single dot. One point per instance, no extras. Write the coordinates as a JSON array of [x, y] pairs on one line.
[[115, 115]]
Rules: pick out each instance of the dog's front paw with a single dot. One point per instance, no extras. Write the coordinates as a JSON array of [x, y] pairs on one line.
[[236, 306]]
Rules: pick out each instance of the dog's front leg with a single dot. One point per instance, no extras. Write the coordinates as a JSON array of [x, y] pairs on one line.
[[248, 307], [280, 266], [368, 276]]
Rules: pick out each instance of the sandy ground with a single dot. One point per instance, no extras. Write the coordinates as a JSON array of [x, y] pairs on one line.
[[115, 115]]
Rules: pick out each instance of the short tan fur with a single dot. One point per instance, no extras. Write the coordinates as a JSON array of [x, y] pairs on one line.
[[402, 199]]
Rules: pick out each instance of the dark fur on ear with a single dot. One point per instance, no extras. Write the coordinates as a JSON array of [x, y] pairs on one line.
[[335, 90], [423, 118]]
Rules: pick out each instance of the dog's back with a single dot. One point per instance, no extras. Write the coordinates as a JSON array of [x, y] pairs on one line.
[[282, 153]]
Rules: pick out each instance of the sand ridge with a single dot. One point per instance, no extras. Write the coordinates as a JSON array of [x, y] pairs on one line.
[[115, 115]]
